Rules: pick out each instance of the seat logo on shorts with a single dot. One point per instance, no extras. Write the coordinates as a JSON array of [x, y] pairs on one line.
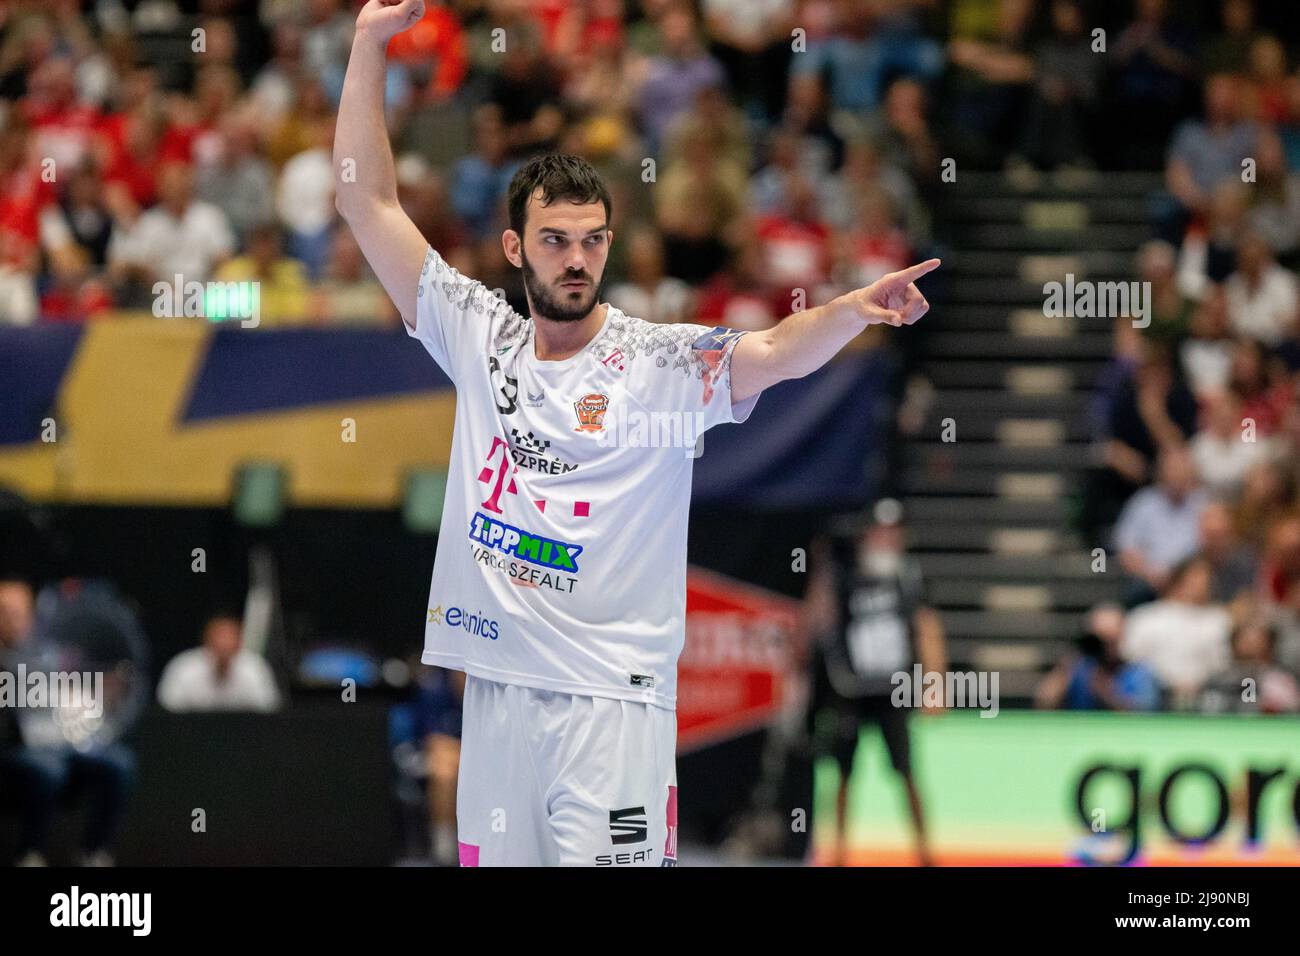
[[627, 825]]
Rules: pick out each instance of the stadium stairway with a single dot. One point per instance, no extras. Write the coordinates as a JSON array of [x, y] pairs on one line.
[[990, 511]]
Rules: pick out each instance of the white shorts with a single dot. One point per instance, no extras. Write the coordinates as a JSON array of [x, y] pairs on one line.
[[552, 779]]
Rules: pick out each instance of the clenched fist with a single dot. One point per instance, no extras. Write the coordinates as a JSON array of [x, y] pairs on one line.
[[381, 20]]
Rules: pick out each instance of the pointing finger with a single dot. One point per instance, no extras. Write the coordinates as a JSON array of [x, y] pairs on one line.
[[912, 273]]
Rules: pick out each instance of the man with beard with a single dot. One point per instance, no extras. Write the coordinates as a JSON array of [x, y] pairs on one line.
[[559, 584]]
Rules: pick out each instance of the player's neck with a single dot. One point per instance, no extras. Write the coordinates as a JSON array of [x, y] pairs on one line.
[[556, 341]]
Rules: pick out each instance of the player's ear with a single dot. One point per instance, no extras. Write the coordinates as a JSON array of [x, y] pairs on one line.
[[511, 243]]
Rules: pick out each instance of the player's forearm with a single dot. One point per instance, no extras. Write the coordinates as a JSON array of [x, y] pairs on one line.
[[363, 160], [807, 340]]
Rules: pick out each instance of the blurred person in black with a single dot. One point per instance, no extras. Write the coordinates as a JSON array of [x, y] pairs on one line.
[[1095, 676], [1252, 682], [439, 693], [51, 753], [867, 606]]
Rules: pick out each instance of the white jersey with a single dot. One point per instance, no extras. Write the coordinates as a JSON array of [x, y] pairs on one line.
[[561, 558]]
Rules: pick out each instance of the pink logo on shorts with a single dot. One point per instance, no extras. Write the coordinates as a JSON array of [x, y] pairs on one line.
[[468, 854], [670, 846]]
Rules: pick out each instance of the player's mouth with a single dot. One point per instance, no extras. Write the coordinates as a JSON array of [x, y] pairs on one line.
[[574, 284]]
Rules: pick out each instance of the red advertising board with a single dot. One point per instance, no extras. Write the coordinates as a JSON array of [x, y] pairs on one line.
[[734, 667]]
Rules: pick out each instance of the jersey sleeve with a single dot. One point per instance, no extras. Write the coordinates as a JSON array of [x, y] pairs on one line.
[[454, 315], [686, 368]]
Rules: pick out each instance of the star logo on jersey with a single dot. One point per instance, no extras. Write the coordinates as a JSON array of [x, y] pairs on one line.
[[435, 615], [591, 410]]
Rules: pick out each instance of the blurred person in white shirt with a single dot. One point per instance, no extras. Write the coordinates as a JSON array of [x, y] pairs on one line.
[[220, 674], [1182, 637], [648, 292], [180, 236], [1224, 450], [1262, 295]]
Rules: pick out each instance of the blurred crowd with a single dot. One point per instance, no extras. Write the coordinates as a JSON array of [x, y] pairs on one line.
[[754, 147], [1196, 417]]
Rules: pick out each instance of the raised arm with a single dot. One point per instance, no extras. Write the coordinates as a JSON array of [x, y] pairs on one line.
[[807, 340], [365, 180]]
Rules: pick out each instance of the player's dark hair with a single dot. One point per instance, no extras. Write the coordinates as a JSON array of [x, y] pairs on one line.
[[559, 176]]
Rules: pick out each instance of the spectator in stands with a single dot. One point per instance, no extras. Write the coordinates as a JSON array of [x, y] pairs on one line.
[[1275, 201], [1262, 385], [751, 39], [80, 218], [1208, 254], [699, 208], [220, 674], [305, 199], [273, 90], [239, 181], [326, 41], [350, 294], [674, 75], [864, 176], [1267, 79], [1268, 490], [1206, 353], [1067, 77], [479, 180], [1144, 412], [1227, 447], [874, 245], [1182, 637], [74, 293], [1232, 564], [648, 292], [1160, 525], [1261, 295], [1171, 310], [797, 249], [1229, 51], [988, 86], [738, 296], [901, 131], [1095, 676], [527, 91], [1252, 682], [19, 304], [807, 112], [1280, 569], [1207, 153], [39, 775], [180, 236], [710, 116], [281, 281], [1153, 63]]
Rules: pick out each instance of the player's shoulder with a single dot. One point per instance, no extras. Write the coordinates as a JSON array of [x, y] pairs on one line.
[[442, 281], [660, 345]]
